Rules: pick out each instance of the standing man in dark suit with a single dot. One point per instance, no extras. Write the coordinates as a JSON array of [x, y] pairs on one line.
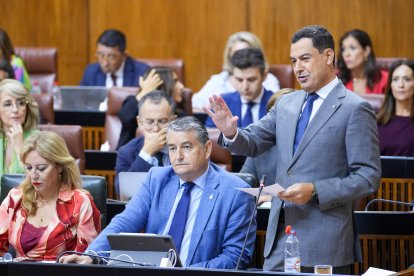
[[114, 67], [156, 111], [327, 156], [249, 101]]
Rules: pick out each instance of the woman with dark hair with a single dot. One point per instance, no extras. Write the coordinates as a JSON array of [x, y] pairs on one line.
[[7, 52], [6, 70], [357, 65], [396, 116], [156, 78]]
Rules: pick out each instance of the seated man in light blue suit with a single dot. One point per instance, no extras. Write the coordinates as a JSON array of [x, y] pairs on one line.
[[218, 215], [250, 99]]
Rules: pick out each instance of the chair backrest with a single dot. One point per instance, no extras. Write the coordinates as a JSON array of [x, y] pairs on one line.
[[113, 125], [219, 155], [284, 73], [385, 62], [175, 63], [41, 64], [45, 103], [375, 100], [248, 178], [74, 140], [95, 185]]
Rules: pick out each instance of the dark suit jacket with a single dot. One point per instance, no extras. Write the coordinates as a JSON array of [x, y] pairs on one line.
[[128, 159], [233, 100], [128, 116], [94, 76]]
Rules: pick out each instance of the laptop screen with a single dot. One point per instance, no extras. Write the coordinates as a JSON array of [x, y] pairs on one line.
[[82, 97], [129, 184]]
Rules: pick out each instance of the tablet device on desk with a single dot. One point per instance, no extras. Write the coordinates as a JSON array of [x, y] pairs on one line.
[[142, 248], [129, 184], [82, 97]]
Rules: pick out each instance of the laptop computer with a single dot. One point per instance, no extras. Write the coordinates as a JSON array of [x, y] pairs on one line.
[[129, 184], [145, 249], [82, 97]]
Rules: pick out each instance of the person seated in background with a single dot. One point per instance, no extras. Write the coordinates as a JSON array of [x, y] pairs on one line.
[[156, 78], [156, 110], [114, 67], [248, 103], [225, 82], [210, 229], [265, 163], [7, 52], [396, 116], [19, 116], [48, 213], [6, 70], [357, 64]]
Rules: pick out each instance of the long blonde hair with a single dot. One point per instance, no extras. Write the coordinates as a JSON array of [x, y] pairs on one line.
[[52, 147], [15, 89]]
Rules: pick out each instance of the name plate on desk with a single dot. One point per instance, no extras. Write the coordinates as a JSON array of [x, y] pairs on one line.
[[385, 223]]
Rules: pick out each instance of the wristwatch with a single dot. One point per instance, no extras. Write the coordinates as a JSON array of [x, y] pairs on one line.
[[315, 197]]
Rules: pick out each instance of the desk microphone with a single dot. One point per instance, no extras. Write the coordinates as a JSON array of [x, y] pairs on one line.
[[411, 204], [261, 186], [97, 258]]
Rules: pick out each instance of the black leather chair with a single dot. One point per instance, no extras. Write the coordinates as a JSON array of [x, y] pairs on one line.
[[96, 185], [248, 178]]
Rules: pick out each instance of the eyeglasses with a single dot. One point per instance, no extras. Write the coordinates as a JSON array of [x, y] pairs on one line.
[[20, 104], [108, 57], [150, 123]]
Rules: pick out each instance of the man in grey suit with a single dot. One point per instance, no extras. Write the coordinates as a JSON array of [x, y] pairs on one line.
[[327, 156]]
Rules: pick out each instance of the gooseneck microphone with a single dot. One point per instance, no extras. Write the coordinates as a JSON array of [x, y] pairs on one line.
[[261, 186], [411, 204]]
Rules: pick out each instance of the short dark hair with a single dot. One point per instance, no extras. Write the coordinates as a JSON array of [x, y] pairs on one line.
[[247, 58], [190, 123], [6, 67], [113, 38], [321, 38], [156, 97]]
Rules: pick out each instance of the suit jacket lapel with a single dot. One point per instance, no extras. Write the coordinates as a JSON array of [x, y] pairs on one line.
[[170, 188], [128, 72], [207, 202], [326, 110]]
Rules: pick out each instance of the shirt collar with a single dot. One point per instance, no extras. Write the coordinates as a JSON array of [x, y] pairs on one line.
[[199, 181], [324, 91], [65, 194], [257, 100], [120, 72]]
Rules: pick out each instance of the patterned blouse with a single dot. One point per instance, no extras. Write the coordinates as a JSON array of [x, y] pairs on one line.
[[75, 226]]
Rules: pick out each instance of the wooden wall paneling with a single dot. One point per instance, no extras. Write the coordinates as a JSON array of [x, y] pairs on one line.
[[389, 23], [49, 23], [195, 31]]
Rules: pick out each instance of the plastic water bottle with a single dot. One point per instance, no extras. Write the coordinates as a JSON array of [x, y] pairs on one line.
[[57, 95], [292, 253], [36, 88]]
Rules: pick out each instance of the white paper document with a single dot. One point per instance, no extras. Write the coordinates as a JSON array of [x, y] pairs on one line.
[[271, 190], [372, 271]]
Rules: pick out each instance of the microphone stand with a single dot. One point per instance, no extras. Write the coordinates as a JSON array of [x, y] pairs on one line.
[[261, 186], [411, 204]]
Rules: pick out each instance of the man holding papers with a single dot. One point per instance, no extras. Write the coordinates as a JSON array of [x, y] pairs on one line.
[[327, 156]]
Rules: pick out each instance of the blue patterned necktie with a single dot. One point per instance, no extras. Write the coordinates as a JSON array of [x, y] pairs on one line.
[[180, 217], [248, 116], [304, 119]]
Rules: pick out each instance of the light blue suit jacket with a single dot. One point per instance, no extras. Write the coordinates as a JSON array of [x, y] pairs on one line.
[[220, 226]]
